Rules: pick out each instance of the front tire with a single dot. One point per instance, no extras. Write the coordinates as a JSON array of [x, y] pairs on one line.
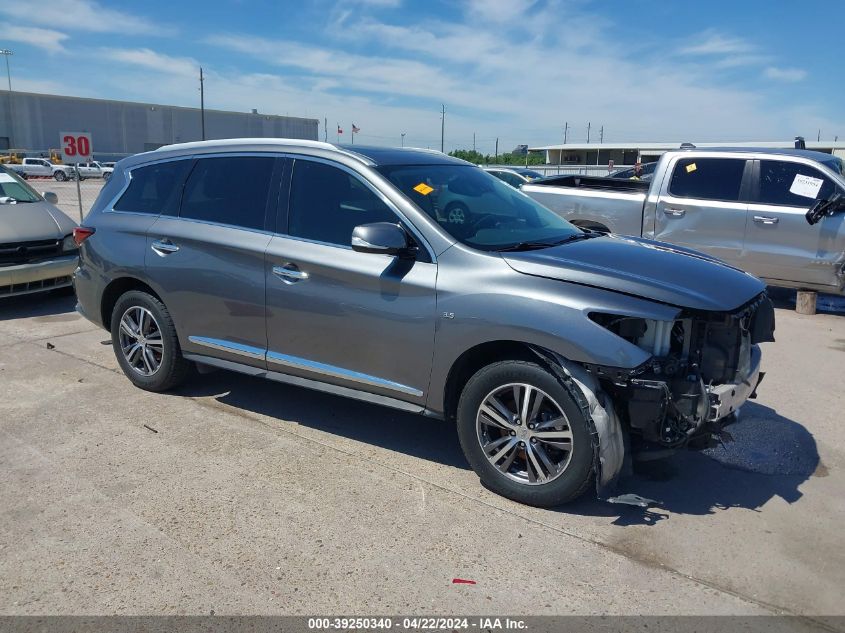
[[524, 435], [145, 342], [60, 176]]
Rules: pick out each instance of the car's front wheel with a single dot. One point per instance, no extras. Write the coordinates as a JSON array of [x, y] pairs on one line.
[[145, 342], [524, 434], [60, 176]]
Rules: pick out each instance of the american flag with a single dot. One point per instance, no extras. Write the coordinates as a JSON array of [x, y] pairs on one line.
[[355, 129]]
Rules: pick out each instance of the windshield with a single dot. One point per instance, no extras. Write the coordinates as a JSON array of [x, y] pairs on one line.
[[11, 186], [478, 209]]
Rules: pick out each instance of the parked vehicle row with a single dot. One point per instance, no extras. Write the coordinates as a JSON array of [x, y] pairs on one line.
[[41, 167], [777, 214], [557, 351]]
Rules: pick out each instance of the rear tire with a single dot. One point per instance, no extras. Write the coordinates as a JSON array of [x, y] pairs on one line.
[[145, 342], [551, 459]]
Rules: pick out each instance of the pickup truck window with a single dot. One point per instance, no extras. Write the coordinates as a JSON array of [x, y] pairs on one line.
[[708, 178], [155, 188], [777, 178]]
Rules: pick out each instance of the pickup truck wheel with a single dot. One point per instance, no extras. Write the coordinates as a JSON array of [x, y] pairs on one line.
[[60, 176], [145, 342], [524, 435]]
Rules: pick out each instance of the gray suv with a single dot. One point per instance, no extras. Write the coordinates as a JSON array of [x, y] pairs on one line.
[[559, 352]]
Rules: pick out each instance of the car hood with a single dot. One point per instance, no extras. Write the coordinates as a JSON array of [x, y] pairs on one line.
[[652, 270], [31, 221]]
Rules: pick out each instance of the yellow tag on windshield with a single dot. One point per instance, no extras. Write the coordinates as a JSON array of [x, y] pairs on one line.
[[691, 168], [423, 188]]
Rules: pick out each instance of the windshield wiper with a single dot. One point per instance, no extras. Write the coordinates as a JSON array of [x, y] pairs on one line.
[[528, 246]]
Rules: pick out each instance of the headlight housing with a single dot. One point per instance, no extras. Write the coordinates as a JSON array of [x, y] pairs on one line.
[[69, 245]]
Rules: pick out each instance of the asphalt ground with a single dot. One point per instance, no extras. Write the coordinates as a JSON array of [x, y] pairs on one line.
[[242, 496]]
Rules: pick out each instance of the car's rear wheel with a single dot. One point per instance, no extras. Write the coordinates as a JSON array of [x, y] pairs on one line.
[[524, 434], [145, 342]]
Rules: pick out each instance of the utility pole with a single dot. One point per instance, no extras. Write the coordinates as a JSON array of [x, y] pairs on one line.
[[497, 151], [403, 139], [326, 130], [601, 135], [202, 104], [473, 141], [818, 138], [588, 132], [5, 52], [565, 131], [442, 124]]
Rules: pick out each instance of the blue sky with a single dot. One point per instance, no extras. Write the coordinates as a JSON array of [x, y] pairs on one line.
[[647, 70]]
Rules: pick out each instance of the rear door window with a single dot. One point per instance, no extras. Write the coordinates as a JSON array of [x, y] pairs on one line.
[[708, 178], [229, 190], [155, 188], [792, 184]]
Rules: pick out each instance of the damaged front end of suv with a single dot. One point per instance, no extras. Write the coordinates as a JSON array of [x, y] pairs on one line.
[[704, 365]]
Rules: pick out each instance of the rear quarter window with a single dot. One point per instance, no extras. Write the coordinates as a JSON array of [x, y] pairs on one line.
[[155, 188], [708, 178]]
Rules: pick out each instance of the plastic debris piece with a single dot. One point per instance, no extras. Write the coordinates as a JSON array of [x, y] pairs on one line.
[[462, 581], [632, 499]]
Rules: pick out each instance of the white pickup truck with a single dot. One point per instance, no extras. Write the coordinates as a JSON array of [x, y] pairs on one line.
[[778, 214], [34, 167]]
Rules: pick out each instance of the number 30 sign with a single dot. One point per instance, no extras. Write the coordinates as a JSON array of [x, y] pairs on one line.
[[76, 147]]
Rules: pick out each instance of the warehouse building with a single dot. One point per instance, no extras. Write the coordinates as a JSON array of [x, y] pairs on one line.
[[32, 122], [586, 154]]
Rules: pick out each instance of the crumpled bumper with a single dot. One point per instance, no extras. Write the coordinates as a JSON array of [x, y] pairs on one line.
[[727, 398], [22, 279]]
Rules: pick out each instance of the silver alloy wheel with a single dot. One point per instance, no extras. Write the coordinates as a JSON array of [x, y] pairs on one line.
[[456, 215], [141, 341], [524, 433]]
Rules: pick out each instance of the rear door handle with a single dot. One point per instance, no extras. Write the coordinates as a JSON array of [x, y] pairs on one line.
[[675, 213], [164, 247], [289, 273], [765, 219]]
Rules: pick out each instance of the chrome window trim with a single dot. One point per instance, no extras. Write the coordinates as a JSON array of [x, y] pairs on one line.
[[295, 362], [339, 372], [389, 203]]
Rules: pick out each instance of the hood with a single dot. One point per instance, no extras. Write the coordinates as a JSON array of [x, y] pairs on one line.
[[652, 270], [31, 221]]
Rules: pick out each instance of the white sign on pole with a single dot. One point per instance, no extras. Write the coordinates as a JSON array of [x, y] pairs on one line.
[[76, 147]]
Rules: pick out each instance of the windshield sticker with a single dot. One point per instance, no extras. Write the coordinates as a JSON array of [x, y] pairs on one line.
[[6, 178], [691, 168], [423, 188], [806, 186]]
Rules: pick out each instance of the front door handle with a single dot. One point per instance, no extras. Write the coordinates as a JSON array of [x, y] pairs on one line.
[[289, 273], [675, 213], [765, 219], [164, 247]]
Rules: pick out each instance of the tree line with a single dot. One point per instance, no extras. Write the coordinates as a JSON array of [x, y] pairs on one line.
[[502, 159]]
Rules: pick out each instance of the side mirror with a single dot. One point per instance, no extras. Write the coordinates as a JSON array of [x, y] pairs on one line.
[[380, 237], [50, 197], [822, 208]]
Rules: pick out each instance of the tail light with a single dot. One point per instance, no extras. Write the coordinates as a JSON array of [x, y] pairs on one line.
[[82, 233]]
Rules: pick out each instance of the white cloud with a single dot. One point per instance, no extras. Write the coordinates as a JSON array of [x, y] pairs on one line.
[[46, 39], [182, 66], [785, 74], [499, 11], [82, 15], [713, 43]]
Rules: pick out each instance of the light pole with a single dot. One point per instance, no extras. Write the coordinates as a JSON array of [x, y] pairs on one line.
[[6, 53], [403, 139]]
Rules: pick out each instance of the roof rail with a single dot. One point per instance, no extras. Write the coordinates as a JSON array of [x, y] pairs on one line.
[[248, 141]]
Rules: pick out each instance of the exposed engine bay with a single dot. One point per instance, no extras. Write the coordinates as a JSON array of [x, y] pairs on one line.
[[704, 365]]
